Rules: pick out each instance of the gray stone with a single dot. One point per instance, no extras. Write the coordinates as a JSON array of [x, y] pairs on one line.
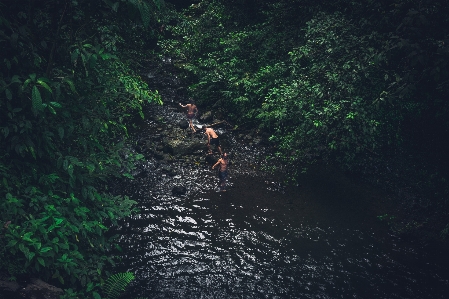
[[158, 155], [179, 190], [206, 117], [211, 159], [186, 146], [183, 124], [38, 289], [8, 286]]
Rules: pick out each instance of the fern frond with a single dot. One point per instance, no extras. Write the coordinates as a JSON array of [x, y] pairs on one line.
[[116, 284]]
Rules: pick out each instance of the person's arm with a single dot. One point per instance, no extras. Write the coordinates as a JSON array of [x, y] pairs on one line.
[[218, 162], [182, 105]]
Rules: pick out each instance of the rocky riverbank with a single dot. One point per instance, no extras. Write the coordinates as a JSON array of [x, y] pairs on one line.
[[27, 288]]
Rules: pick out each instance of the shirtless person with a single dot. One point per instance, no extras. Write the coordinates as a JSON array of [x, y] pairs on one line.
[[212, 139], [222, 171], [192, 110]]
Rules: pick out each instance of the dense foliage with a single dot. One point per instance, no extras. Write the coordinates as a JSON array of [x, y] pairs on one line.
[[359, 83], [68, 93]]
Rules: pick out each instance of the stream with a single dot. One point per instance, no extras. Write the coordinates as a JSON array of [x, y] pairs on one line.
[[261, 239]]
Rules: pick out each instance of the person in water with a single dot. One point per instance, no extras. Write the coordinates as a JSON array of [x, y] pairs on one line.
[[222, 163], [192, 110], [212, 139]]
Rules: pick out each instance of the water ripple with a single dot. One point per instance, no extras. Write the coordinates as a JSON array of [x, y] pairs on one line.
[[263, 241]]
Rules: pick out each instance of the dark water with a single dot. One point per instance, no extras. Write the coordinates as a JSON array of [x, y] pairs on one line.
[[320, 239]]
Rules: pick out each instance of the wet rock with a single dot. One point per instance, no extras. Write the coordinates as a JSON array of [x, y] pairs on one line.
[[186, 146], [168, 170], [206, 117], [158, 155], [157, 136], [167, 158], [140, 146], [139, 173], [183, 124], [179, 190], [211, 159], [7, 287], [38, 289]]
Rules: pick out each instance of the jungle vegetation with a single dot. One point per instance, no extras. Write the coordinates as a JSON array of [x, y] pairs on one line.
[[360, 84], [68, 93]]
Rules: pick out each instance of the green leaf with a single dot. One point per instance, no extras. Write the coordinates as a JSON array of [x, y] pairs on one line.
[[12, 243], [74, 55], [96, 295], [38, 245], [106, 56], [129, 176], [41, 261], [61, 132], [65, 164], [74, 228], [27, 236], [26, 83], [52, 110], [118, 247], [30, 255], [93, 60], [45, 249], [5, 131], [44, 85], [70, 83], [56, 104], [115, 284], [15, 79], [115, 6], [8, 94], [36, 99], [70, 170]]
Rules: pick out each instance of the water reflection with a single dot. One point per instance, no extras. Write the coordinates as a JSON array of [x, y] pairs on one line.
[[264, 240]]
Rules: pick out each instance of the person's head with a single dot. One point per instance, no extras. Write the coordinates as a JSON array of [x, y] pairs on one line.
[[204, 128], [224, 155], [191, 101]]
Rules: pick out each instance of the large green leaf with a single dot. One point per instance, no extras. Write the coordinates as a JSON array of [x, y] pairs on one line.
[[36, 99]]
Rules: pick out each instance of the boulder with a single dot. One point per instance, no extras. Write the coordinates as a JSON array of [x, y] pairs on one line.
[[38, 289], [179, 190], [168, 170], [158, 155], [186, 146], [206, 117], [7, 287], [211, 159], [183, 124]]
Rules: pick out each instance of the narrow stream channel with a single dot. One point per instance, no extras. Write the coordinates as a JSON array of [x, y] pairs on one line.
[[260, 239], [320, 239]]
